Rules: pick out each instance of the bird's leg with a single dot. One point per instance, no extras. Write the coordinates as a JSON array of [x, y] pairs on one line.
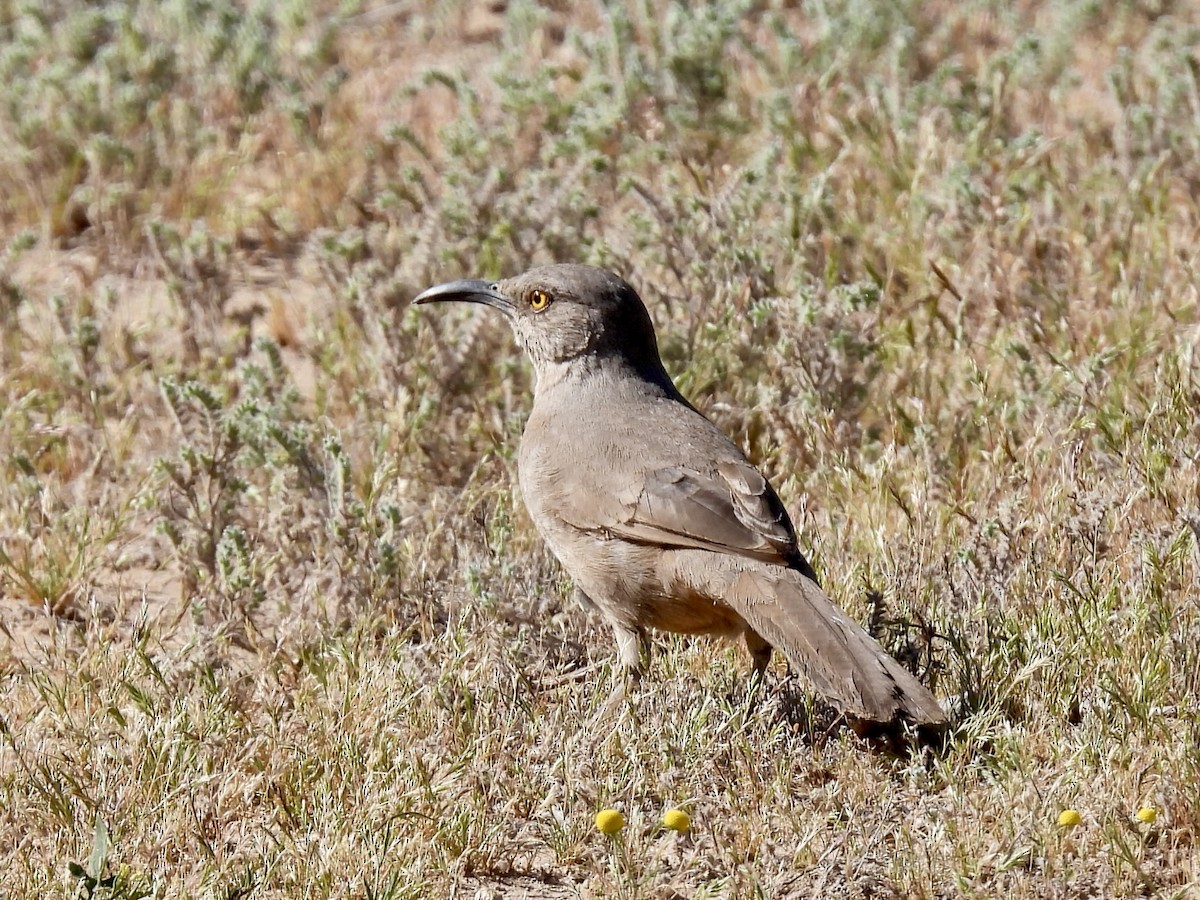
[[632, 649], [760, 653]]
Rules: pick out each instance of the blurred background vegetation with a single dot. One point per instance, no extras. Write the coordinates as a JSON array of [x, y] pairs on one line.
[[269, 605]]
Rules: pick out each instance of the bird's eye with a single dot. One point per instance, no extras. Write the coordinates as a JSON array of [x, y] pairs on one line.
[[538, 300]]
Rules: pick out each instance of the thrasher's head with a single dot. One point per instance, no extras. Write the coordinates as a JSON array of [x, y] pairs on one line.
[[564, 313]]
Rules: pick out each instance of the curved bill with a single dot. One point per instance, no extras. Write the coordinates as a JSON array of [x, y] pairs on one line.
[[468, 290]]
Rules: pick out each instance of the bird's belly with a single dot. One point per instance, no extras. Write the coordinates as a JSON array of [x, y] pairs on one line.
[[692, 615], [625, 581]]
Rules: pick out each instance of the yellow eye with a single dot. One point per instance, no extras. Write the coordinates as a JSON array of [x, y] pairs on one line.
[[538, 300]]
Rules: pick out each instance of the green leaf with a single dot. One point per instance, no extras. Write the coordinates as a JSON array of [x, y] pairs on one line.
[[100, 848]]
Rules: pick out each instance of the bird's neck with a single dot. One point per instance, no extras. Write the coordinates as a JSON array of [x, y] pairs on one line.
[[604, 372]]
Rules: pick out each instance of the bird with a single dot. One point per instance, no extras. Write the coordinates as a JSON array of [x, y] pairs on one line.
[[660, 520]]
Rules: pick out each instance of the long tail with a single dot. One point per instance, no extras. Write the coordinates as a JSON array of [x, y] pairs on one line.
[[844, 663]]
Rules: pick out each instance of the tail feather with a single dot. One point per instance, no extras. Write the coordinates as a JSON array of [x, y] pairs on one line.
[[844, 663]]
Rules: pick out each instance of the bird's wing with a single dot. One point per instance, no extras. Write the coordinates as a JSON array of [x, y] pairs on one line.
[[731, 509]]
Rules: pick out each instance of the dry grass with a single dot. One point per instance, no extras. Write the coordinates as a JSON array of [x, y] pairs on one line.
[[272, 621]]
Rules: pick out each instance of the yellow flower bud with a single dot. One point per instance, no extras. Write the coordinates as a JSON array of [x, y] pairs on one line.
[[610, 821], [677, 820], [1068, 818], [1147, 815]]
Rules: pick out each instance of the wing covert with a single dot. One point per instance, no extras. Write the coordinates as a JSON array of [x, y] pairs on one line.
[[732, 510]]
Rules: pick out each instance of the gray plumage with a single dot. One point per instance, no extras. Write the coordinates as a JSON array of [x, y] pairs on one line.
[[659, 519]]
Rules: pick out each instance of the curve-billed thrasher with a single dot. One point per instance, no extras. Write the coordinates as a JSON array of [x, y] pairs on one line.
[[658, 518]]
